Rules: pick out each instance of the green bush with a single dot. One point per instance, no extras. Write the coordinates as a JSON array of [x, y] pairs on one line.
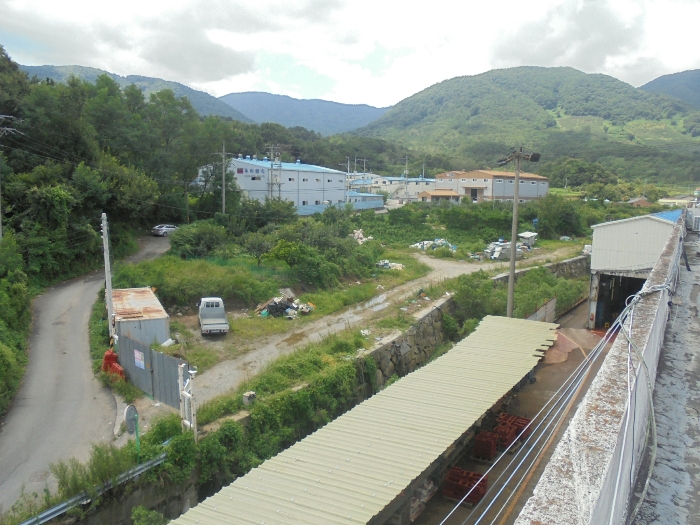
[[142, 516], [198, 239]]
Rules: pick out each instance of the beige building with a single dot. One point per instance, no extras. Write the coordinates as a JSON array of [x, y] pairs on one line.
[[487, 185], [438, 195]]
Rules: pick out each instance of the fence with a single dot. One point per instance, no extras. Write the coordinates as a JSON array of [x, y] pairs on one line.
[[547, 313], [153, 372]]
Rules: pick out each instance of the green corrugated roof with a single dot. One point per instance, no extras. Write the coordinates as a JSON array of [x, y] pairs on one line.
[[349, 470]]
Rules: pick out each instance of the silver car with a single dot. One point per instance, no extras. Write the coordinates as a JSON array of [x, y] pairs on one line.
[[162, 230]]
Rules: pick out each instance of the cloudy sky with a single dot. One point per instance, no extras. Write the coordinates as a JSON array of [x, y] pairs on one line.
[[354, 51]]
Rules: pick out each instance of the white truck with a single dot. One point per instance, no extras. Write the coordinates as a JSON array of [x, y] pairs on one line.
[[212, 316]]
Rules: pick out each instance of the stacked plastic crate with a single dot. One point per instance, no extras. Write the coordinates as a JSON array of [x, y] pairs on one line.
[[486, 445], [521, 424], [459, 482]]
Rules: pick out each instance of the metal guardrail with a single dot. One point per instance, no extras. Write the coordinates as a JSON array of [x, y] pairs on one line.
[[80, 499]]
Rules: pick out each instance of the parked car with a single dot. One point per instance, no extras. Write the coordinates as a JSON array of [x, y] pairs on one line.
[[162, 230]]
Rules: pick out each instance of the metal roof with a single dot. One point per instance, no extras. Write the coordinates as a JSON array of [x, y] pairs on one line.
[[136, 303], [671, 216], [349, 470], [290, 166]]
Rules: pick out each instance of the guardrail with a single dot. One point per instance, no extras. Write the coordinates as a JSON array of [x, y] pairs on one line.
[[83, 498]]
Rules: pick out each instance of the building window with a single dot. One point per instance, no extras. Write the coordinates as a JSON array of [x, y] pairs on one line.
[[543, 183], [304, 203], [330, 180], [340, 181], [533, 182], [304, 180], [510, 182], [340, 201], [464, 180], [522, 182], [473, 180], [521, 200], [318, 202], [318, 180], [486, 180], [500, 181], [255, 178], [291, 179]]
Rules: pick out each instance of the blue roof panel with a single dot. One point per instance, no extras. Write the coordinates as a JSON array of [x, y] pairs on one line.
[[291, 166], [668, 216]]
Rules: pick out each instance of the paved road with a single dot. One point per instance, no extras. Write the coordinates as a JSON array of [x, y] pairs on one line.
[[61, 408]]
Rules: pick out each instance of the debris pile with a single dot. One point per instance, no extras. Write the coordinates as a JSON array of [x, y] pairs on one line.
[[386, 265], [434, 245], [500, 251], [359, 236], [284, 307]]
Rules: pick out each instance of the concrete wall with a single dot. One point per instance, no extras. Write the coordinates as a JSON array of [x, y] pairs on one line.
[[570, 269], [168, 500], [589, 477]]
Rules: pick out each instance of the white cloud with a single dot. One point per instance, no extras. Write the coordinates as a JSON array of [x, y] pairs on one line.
[[355, 51]]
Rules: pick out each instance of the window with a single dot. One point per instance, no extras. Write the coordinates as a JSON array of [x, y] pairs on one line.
[[510, 182], [340, 181], [521, 200], [318, 202], [330, 180], [486, 180], [304, 180], [533, 182], [473, 180], [543, 183], [464, 180], [304, 203], [500, 181], [255, 178], [291, 179], [383, 182], [340, 201], [318, 180], [522, 182]]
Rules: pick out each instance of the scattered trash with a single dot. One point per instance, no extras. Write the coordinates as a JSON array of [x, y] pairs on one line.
[[377, 338], [284, 306], [425, 297], [587, 249], [169, 342], [380, 287], [403, 309], [365, 333], [359, 236], [384, 263], [433, 245], [564, 238], [448, 294]]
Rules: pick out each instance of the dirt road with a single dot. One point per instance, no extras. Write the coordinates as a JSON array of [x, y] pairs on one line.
[[61, 408], [229, 374]]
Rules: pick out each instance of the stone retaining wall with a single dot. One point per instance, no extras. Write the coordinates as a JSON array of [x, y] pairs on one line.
[[570, 269]]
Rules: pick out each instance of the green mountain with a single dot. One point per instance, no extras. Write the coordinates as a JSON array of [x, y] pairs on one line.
[[555, 111], [322, 116], [684, 85], [204, 103]]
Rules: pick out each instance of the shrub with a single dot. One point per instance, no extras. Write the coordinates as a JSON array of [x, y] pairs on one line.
[[142, 516]]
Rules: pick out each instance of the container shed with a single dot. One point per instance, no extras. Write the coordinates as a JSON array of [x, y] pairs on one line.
[[624, 252], [139, 316]]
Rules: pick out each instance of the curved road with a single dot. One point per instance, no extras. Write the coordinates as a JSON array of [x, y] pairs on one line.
[[61, 408]]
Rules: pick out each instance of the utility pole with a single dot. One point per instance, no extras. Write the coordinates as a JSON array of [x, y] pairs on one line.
[[108, 274], [516, 156], [405, 181], [3, 131], [223, 175]]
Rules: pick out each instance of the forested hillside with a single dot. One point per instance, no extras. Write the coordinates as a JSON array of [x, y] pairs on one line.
[[203, 103], [322, 116], [556, 111], [684, 85]]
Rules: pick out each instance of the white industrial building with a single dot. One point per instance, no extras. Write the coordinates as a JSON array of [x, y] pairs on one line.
[[403, 189], [624, 252], [486, 185], [311, 188]]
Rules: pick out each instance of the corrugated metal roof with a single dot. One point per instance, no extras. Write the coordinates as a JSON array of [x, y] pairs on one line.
[[136, 303], [290, 166], [348, 471]]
